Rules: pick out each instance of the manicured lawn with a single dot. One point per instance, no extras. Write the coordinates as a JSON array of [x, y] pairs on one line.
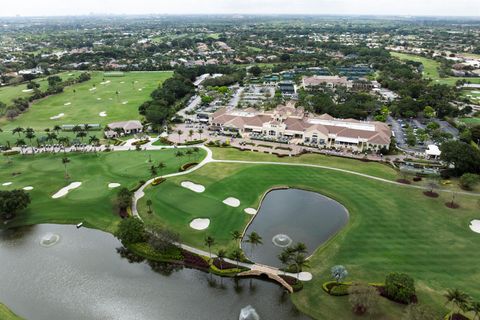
[[8, 93], [470, 121], [371, 168], [431, 69], [391, 228], [85, 105], [92, 202], [7, 314]]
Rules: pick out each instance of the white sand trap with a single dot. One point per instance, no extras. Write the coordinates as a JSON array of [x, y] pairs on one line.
[[105, 82], [27, 90], [140, 89], [99, 99], [103, 114], [232, 202], [114, 185], [122, 82], [28, 188], [476, 92], [124, 102], [200, 224], [305, 276], [58, 116], [250, 211], [475, 226], [70, 74], [92, 89], [67, 103], [193, 186], [110, 99], [6, 184], [62, 192]]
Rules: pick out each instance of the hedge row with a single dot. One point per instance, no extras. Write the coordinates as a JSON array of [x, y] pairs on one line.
[[146, 251]]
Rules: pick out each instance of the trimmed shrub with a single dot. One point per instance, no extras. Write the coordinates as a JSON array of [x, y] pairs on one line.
[[157, 181], [187, 166], [399, 287], [11, 153], [193, 142]]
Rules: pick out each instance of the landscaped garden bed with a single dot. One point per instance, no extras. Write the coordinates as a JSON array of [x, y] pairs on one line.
[[158, 181], [187, 166]]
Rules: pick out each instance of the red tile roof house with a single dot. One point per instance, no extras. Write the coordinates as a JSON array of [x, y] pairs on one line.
[[300, 127]]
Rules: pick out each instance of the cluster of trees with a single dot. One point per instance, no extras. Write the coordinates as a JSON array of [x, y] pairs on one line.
[[464, 157], [12, 202], [294, 257]]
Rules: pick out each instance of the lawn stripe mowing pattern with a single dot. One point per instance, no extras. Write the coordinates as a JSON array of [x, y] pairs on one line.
[[85, 107], [392, 228], [93, 199]]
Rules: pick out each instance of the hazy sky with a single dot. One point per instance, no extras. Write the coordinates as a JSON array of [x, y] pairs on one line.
[[375, 7]]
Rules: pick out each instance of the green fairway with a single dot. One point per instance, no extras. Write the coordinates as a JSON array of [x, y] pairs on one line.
[[93, 200], [90, 99], [431, 69], [7, 314], [8, 93], [470, 121], [391, 228]]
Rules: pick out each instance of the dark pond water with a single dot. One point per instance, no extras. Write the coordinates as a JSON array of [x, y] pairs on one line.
[[292, 216], [83, 277]]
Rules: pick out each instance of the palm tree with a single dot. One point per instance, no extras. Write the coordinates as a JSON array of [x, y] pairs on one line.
[[254, 239], [189, 153], [221, 254], [237, 255], [458, 299], [18, 130], [94, 141], [86, 127], [300, 248], [161, 166], [57, 128], [153, 171], [285, 258], [209, 242], [51, 136], [149, 204], [475, 308], [30, 135], [190, 134], [236, 235], [76, 128], [301, 262], [200, 132], [179, 132], [179, 154], [81, 135], [65, 161]]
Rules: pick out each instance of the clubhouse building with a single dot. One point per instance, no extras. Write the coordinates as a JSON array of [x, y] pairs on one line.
[[288, 124]]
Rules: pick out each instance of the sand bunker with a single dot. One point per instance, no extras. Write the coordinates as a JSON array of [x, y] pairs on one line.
[[140, 89], [475, 226], [28, 188], [124, 102], [99, 99], [250, 211], [103, 114], [193, 186], [67, 103], [232, 202], [7, 183], [305, 276], [122, 82], [200, 224], [58, 116], [105, 82], [114, 185], [62, 192], [27, 90], [92, 89]]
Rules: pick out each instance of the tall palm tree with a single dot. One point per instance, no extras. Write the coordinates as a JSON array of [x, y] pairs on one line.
[[65, 161], [254, 239], [18, 130], [209, 242], [179, 132], [161, 166], [236, 235], [200, 132], [300, 248], [149, 205], [76, 128], [285, 258], [153, 171], [94, 141], [190, 134], [301, 262], [86, 127], [57, 128], [237, 255], [179, 155], [81, 135], [458, 299], [30, 135], [189, 153], [221, 254]]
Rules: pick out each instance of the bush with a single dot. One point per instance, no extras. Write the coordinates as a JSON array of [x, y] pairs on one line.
[[187, 166], [193, 142], [131, 230], [141, 142], [400, 287], [339, 290], [11, 153], [157, 181], [145, 250], [469, 180]]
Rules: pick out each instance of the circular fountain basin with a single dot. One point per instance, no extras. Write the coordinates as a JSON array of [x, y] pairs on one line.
[[49, 239]]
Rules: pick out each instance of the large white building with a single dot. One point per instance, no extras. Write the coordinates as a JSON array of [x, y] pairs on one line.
[[294, 125]]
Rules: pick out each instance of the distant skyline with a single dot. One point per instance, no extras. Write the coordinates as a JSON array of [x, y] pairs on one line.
[[469, 8]]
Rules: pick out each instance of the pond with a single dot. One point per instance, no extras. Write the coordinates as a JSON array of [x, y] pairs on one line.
[[78, 274], [289, 216]]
